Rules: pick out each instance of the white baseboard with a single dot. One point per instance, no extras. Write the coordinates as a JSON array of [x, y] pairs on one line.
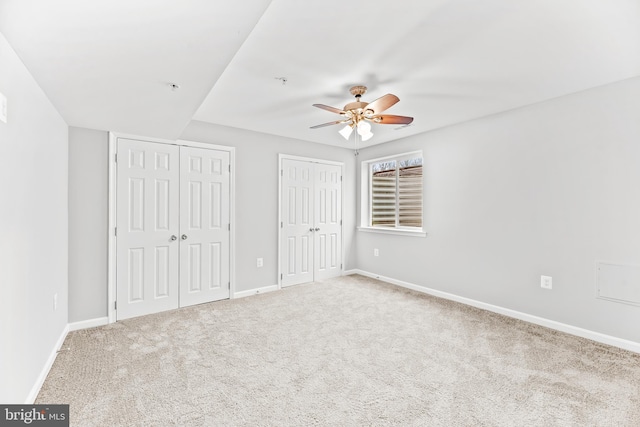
[[91, 323], [31, 398], [256, 291], [552, 324]]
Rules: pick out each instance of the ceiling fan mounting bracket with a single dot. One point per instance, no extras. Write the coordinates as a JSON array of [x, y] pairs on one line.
[[358, 91]]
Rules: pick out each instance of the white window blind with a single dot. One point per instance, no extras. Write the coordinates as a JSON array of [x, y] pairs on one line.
[[410, 196], [396, 193], [383, 195]]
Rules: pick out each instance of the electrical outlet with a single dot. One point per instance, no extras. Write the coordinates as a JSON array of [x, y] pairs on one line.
[[546, 282], [55, 302], [260, 262], [376, 252]]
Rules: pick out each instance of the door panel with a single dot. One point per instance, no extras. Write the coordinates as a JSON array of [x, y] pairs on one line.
[[147, 217], [296, 210], [328, 221], [205, 235]]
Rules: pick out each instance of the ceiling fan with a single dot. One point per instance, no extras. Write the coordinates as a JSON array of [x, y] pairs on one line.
[[358, 114]]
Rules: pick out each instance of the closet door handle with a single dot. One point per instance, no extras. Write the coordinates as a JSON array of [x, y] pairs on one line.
[[317, 229], [311, 229], [174, 238], [184, 237]]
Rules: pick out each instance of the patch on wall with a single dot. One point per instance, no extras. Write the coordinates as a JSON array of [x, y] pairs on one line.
[[618, 282]]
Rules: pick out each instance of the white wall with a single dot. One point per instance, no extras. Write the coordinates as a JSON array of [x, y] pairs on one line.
[[257, 195], [543, 190], [88, 220], [33, 226]]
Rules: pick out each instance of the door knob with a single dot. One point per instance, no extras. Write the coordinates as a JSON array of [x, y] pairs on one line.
[[174, 238], [311, 229], [317, 229], [184, 237]]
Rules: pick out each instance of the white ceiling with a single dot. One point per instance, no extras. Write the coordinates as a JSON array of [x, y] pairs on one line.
[[107, 64]]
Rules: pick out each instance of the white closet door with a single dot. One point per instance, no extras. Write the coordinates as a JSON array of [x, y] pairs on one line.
[[296, 241], [311, 221], [147, 221], [327, 237], [204, 225]]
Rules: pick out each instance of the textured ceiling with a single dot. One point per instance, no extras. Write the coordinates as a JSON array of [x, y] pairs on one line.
[[107, 65]]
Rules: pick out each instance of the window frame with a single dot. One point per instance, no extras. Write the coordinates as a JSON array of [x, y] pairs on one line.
[[366, 196]]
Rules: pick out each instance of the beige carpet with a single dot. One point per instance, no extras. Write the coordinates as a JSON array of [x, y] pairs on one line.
[[345, 352]]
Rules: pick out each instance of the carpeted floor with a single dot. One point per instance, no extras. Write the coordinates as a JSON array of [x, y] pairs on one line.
[[349, 351]]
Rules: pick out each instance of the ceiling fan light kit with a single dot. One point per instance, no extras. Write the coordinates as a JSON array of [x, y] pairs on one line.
[[360, 114]]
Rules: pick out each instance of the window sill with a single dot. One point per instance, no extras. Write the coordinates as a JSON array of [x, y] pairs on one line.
[[396, 231]]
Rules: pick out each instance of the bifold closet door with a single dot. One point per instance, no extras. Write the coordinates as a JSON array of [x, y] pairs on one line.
[[311, 221], [173, 227], [147, 227], [204, 225]]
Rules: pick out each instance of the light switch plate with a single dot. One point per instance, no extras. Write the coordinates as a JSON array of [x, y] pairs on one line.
[[3, 108]]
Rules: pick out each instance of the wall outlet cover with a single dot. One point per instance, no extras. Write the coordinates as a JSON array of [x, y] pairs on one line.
[[546, 282]]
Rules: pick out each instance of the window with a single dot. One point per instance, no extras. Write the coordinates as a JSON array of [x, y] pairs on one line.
[[392, 193]]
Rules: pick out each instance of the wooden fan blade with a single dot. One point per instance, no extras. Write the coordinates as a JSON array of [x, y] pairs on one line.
[[389, 119], [337, 122], [328, 108], [382, 103]]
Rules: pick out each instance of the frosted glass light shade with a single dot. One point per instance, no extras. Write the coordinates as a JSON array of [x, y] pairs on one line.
[[346, 132], [364, 128], [367, 136]]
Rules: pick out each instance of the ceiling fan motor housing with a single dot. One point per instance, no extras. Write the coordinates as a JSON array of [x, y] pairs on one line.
[[357, 105]]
